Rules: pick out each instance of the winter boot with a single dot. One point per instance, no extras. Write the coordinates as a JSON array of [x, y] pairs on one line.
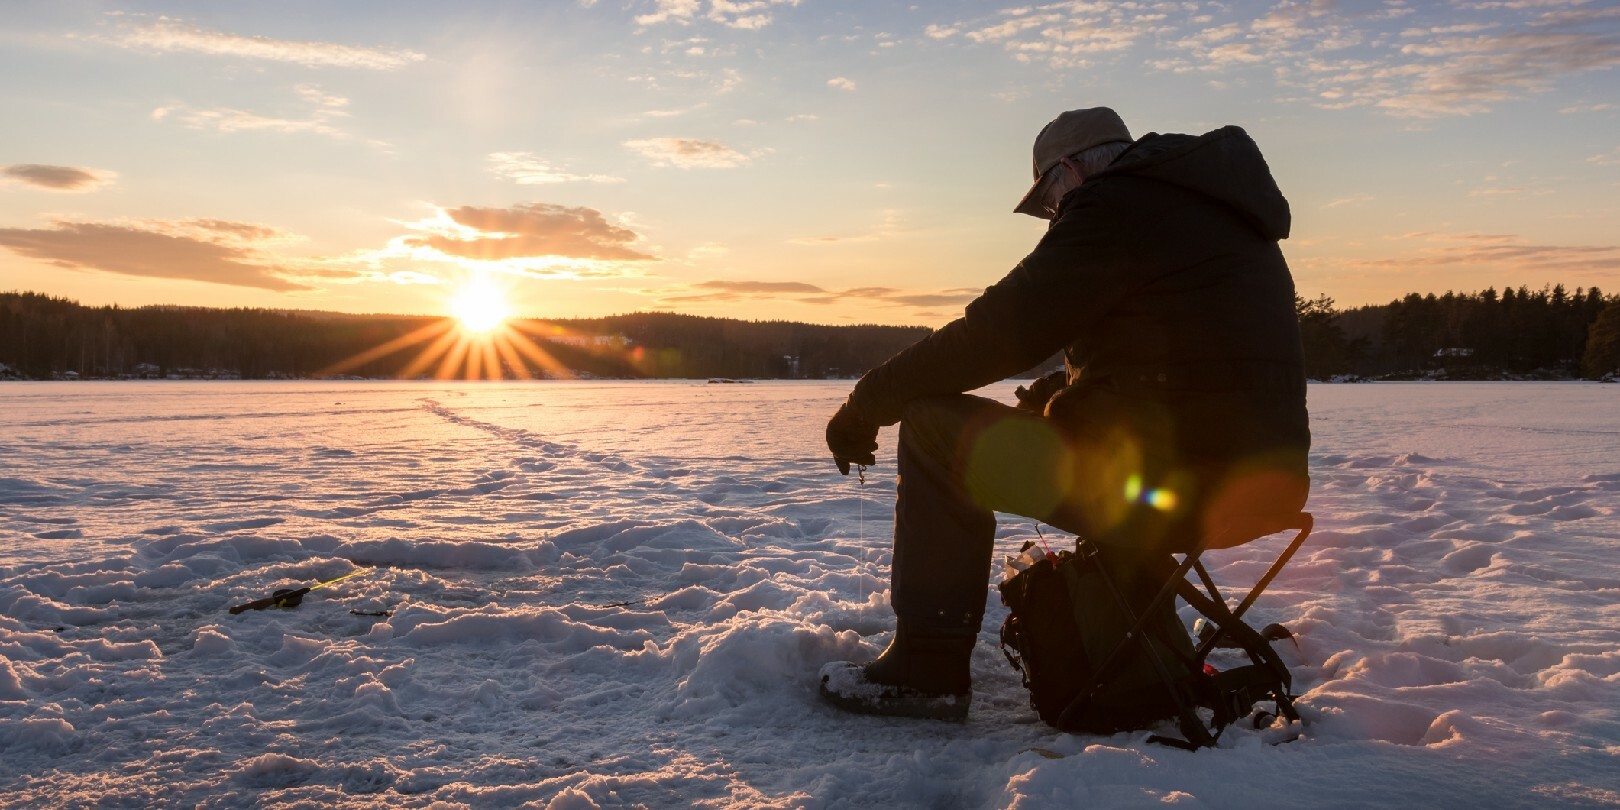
[[924, 673]]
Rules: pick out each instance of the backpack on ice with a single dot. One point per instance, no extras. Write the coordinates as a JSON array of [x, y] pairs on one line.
[[1101, 649]]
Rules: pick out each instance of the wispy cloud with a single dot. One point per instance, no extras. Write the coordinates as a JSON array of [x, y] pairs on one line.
[[1354, 199], [57, 178], [892, 225], [688, 153], [841, 83], [530, 231], [769, 288], [1468, 59], [677, 112], [707, 250], [732, 291], [743, 14], [214, 251], [1609, 158], [165, 35], [689, 81], [324, 114], [682, 11], [1507, 255], [1065, 34], [525, 169], [1462, 76], [1451, 69]]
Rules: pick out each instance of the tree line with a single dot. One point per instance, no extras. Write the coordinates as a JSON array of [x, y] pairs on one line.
[[44, 337], [1549, 333], [1516, 333]]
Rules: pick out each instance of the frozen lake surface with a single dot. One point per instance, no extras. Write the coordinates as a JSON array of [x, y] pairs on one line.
[[611, 594]]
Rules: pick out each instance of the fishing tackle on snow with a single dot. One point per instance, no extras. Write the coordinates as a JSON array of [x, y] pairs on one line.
[[290, 597]]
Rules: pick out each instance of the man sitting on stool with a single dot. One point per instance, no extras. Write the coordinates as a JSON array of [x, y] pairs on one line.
[[1182, 401]]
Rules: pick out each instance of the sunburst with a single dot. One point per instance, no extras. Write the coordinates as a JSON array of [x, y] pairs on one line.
[[480, 340]]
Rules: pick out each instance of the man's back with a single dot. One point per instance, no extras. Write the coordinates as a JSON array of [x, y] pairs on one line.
[[1204, 322]]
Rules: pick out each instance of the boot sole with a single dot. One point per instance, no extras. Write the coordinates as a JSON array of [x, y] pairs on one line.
[[888, 701]]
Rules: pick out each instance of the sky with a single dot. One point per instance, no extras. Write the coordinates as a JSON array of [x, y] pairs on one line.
[[831, 161]]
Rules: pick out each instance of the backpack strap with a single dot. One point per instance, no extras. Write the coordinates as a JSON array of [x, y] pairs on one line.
[[1009, 647]]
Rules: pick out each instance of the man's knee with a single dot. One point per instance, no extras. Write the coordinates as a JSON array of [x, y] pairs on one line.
[[935, 425]]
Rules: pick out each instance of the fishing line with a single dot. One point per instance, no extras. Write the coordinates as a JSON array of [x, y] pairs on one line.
[[860, 570]]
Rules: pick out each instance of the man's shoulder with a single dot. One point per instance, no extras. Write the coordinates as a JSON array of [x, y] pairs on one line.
[[1113, 200]]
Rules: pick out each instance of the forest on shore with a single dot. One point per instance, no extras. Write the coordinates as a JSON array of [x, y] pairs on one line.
[[1488, 335], [43, 337]]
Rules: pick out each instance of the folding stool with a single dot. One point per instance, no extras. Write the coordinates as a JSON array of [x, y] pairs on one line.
[[1230, 695]]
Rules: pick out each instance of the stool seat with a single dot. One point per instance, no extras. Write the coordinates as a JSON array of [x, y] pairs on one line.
[[1246, 528]]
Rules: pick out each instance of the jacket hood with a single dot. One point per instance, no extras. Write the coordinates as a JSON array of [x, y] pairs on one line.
[[1224, 165]]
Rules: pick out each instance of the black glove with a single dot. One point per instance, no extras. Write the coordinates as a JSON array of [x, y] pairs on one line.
[[1035, 397], [851, 439]]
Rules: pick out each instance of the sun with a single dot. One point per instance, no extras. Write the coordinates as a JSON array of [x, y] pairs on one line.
[[480, 307]]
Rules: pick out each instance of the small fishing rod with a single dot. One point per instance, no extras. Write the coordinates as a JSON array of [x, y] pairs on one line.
[[291, 597]]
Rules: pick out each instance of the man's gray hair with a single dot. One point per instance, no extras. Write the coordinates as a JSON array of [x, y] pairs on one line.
[[1097, 158]]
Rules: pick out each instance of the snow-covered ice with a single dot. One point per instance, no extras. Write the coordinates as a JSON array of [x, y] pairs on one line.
[[611, 594]]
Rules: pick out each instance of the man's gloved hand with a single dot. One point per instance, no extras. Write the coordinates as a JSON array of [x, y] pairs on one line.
[[851, 439], [1035, 397]]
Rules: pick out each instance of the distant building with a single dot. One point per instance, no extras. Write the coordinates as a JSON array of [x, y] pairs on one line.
[[589, 341]]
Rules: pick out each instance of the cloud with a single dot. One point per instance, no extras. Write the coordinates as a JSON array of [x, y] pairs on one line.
[[675, 113], [759, 287], [165, 35], [1469, 75], [1063, 35], [57, 178], [688, 153], [230, 121], [325, 113], [805, 293], [1442, 60], [221, 229], [892, 225], [1610, 158], [671, 10], [196, 250], [525, 169], [1354, 199], [531, 231], [707, 250], [841, 83], [681, 81], [1461, 68], [941, 299], [1506, 253], [740, 14]]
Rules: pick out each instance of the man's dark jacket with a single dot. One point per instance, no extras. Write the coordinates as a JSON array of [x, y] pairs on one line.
[[1162, 281]]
